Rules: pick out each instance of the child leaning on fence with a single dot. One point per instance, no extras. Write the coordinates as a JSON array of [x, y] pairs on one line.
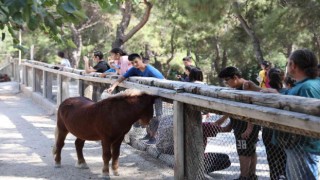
[[143, 70], [246, 134]]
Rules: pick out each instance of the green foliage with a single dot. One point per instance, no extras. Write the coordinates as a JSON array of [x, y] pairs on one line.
[[203, 29], [47, 15]]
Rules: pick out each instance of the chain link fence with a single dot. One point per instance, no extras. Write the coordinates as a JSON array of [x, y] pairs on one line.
[[259, 153]]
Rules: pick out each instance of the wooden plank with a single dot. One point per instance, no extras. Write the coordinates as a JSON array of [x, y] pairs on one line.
[[296, 104]]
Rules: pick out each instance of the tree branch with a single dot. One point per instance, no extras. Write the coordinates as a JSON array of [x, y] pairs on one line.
[[126, 15], [143, 21], [86, 26], [250, 32]]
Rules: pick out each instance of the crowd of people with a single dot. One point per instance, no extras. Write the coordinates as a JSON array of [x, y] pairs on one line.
[[298, 160]]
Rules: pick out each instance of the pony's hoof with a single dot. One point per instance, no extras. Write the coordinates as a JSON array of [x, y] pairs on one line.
[[82, 166], [116, 173], [57, 165], [105, 176]]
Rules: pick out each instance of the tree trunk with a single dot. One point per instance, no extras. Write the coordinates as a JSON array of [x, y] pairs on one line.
[[289, 50], [157, 64], [172, 51], [316, 40], [219, 63], [77, 34], [77, 39], [250, 32], [121, 37]]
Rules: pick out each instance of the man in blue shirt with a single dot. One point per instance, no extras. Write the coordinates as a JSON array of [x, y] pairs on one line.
[[303, 157], [138, 69], [143, 70]]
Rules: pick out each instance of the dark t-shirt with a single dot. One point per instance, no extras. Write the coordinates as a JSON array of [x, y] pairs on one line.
[[240, 126], [101, 67], [185, 77]]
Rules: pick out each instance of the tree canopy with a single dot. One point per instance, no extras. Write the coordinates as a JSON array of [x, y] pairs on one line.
[[214, 33]]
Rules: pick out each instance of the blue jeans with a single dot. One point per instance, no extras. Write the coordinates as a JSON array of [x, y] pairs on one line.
[[302, 165]]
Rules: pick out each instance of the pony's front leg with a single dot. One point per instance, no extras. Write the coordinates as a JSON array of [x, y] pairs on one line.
[[106, 155], [79, 143], [115, 155]]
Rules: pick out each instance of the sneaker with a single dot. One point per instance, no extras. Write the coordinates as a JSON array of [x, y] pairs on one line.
[[242, 178], [136, 124], [146, 137], [152, 140], [282, 177], [253, 177]]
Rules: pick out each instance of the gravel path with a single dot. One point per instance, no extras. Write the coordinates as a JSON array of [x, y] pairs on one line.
[[26, 139]]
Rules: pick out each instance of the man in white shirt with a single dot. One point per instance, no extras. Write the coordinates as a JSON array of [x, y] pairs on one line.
[[64, 62]]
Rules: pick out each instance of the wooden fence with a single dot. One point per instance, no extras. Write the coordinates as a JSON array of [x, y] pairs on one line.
[[287, 113]]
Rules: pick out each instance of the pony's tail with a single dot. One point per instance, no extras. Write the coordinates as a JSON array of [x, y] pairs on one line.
[[54, 148]]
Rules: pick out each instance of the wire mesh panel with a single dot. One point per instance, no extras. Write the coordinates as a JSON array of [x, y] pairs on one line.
[[231, 148], [239, 147], [298, 153], [157, 137]]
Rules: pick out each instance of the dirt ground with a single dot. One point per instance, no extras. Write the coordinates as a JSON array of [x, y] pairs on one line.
[[26, 139]]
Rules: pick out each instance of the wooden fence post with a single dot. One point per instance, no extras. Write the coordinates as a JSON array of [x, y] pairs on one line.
[[81, 87], [33, 79], [47, 85], [193, 143], [65, 88], [59, 89], [38, 75], [178, 127], [24, 75], [98, 89]]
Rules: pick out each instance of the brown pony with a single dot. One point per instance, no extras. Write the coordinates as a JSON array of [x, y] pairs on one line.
[[107, 120]]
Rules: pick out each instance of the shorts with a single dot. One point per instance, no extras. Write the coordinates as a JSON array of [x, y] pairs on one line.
[[247, 147], [153, 124], [158, 107]]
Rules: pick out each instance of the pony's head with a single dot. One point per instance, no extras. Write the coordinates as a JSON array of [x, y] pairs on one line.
[[141, 101], [148, 110]]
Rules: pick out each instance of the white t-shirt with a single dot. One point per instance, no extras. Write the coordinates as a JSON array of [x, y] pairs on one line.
[[65, 62]]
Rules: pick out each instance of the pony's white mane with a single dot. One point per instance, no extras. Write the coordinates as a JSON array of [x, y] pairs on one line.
[[128, 92]]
